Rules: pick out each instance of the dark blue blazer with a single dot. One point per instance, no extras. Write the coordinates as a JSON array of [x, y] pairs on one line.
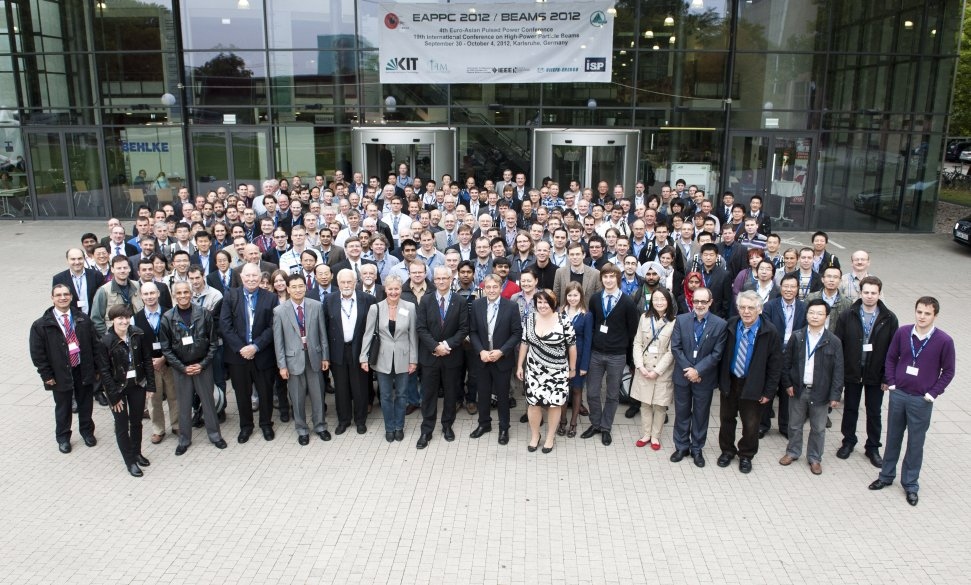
[[93, 281], [432, 330], [215, 281], [583, 327], [232, 327], [335, 327], [506, 333], [710, 349], [773, 313]]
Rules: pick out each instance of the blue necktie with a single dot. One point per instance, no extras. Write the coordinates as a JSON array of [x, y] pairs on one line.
[[741, 355]]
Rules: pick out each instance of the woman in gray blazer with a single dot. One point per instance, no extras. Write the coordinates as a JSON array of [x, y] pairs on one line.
[[394, 322]]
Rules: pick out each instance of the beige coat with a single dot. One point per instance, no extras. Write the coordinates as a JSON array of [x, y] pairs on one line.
[[661, 390]]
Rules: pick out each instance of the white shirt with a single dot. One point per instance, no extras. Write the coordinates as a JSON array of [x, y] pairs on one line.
[[807, 376], [348, 317]]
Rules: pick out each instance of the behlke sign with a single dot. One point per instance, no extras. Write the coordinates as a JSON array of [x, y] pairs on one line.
[[565, 42]]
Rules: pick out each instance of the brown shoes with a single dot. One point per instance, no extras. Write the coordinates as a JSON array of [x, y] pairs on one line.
[[787, 459], [156, 439], [471, 408], [815, 467]]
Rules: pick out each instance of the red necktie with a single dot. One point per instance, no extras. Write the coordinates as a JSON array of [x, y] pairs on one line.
[[310, 284], [71, 337], [301, 323]]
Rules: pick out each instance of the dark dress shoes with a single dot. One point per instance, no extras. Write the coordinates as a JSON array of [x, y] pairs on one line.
[[268, 434], [142, 461], [479, 431], [134, 470], [875, 459], [677, 456], [180, 450], [745, 465], [591, 431], [699, 459], [90, 441], [361, 429], [101, 398], [912, 498], [220, 444], [725, 459], [64, 447], [243, 437], [399, 435], [449, 434], [844, 451], [423, 440], [303, 440], [284, 416], [410, 409], [389, 436], [504, 437], [762, 433], [878, 484], [605, 438], [341, 429], [524, 418], [324, 435], [632, 410]]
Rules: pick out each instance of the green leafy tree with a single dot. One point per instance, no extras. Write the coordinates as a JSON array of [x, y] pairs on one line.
[[961, 106]]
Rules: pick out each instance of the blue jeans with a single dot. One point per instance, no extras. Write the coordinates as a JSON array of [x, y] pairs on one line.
[[392, 387], [913, 414], [412, 394]]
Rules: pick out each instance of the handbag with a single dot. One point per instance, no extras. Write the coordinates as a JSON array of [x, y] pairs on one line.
[[375, 349]]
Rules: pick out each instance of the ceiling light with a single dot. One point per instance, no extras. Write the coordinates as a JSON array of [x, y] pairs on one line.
[[669, 21]]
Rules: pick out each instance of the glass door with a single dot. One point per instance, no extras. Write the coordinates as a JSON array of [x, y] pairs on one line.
[[66, 174], [569, 163], [385, 158], [428, 152], [227, 157], [775, 166], [589, 156]]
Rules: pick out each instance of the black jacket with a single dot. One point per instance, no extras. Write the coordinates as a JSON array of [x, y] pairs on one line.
[[48, 350], [827, 367], [865, 368], [765, 366], [114, 362], [204, 340]]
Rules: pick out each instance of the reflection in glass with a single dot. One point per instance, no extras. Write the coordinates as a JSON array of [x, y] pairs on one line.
[[84, 162], [222, 25], [49, 175]]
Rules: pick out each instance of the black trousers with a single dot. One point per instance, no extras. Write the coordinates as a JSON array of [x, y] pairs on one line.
[[492, 380], [128, 424], [433, 378], [750, 411], [350, 387], [84, 395], [244, 377], [469, 366], [782, 412], [851, 414]]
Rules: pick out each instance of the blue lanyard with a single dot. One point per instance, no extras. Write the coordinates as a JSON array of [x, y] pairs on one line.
[[700, 333], [300, 322], [603, 301], [917, 353], [705, 278], [868, 327], [448, 300], [182, 325], [809, 354], [349, 312], [70, 329], [655, 334]]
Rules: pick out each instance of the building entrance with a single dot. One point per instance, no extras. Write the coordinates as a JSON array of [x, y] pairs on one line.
[[587, 156], [428, 152]]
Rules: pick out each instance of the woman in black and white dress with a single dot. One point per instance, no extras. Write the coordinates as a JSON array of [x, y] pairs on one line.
[[550, 356]]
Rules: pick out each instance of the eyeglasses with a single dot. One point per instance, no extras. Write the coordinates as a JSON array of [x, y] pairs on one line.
[[701, 302]]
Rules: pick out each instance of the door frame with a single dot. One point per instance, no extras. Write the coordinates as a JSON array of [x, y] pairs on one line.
[[227, 131], [443, 141], [35, 204], [544, 139], [810, 191]]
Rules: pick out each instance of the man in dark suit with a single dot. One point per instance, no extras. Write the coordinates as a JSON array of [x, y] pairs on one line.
[[82, 282], [215, 280], [697, 345], [352, 259], [442, 325], [324, 285], [251, 255], [368, 284], [146, 274], [203, 256], [787, 314], [246, 325], [749, 377], [717, 281], [495, 331], [346, 315]]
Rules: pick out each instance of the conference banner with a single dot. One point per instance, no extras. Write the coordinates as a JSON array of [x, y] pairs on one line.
[[562, 42]]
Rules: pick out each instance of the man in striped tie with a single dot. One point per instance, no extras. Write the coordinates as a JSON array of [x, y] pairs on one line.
[[749, 377]]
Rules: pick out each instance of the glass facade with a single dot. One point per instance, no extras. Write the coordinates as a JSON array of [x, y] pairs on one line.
[[835, 111]]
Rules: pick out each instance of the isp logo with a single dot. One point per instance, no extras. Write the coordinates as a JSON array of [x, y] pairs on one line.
[[595, 64], [391, 20]]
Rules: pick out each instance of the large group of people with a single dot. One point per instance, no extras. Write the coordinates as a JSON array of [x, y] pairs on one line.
[[434, 296]]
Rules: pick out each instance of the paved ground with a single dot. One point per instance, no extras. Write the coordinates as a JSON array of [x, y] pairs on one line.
[[358, 510]]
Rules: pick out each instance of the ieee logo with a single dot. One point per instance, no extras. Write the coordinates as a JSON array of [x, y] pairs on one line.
[[595, 64], [402, 64]]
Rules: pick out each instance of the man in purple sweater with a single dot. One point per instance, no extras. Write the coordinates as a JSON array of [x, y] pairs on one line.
[[920, 365]]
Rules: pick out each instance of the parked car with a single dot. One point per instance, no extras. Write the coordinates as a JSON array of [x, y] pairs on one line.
[[965, 156], [962, 231], [953, 151]]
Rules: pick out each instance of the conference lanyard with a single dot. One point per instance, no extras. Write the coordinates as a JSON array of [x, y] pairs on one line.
[[300, 322], [656, 333], [350, 311], [917, 353], [809, 354], [701, 332], [443, 307], [867, 327], [607, 301]]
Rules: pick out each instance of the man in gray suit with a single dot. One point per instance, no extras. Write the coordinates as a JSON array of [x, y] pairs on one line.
[[591, 276], [302, 354], [697, 344]]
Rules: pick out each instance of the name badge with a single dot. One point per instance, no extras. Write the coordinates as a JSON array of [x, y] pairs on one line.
[[187, 340], [73, 347], [652, 349], [157, 346], [867, 347], [603, 328], [695, 355], [303, 340], [403, 312], [912, 370], [131, 374]]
